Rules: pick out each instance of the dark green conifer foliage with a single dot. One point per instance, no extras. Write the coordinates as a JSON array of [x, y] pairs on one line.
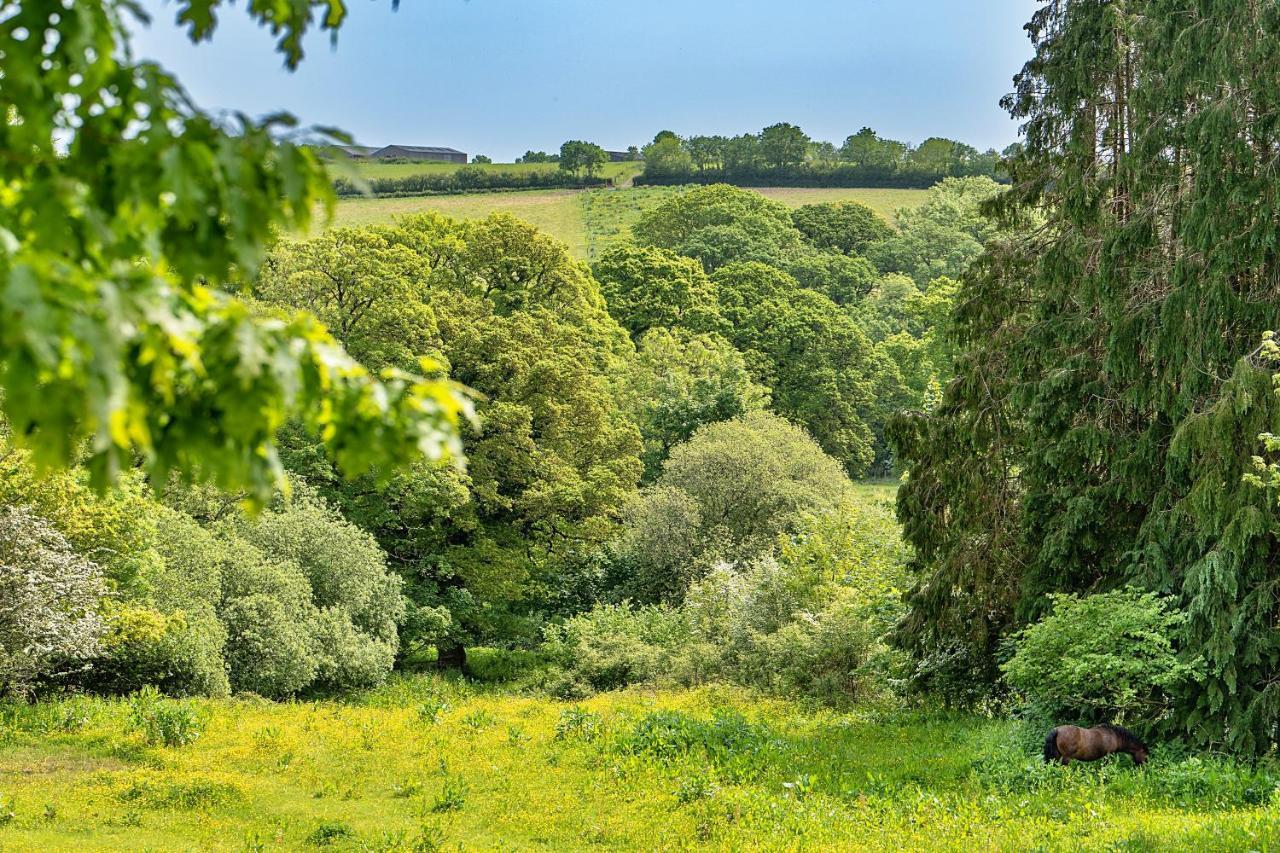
[[1109, 403]]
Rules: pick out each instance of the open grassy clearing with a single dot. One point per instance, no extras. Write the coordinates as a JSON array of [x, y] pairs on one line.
[[588, 221], [557, 212], [882, 201], [428, 763]]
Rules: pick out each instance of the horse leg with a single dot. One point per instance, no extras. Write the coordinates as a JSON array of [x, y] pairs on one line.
[[1064, 761]]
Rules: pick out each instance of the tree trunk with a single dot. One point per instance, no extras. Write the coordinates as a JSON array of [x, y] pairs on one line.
[[452, 656]]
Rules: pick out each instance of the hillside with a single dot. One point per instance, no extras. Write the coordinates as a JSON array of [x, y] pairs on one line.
[[588, 220]]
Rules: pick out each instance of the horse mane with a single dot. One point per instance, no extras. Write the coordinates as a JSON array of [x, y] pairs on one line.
[[1130, 739]]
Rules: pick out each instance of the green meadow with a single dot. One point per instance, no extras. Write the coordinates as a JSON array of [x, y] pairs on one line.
[[428, 763], [588, 220]]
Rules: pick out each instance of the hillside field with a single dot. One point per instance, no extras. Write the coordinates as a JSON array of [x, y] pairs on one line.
[[589, 220], [428, 763], [378, 169]]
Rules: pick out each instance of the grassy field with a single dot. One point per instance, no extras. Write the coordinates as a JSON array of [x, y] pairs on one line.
[[428, 764], [378, 169], [557, 212], [589, 220]]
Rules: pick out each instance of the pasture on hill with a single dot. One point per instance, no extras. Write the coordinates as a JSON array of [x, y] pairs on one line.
[[588, 221], [428, 763], [370, 169]]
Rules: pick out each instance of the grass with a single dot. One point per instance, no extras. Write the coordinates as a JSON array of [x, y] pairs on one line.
[[588, 221], [557, 212], [378, 169], [428, 763]]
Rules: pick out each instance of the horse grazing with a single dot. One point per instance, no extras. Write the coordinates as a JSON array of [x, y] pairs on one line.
[[1072, 742]]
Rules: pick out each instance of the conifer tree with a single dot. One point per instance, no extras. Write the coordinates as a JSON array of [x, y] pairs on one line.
[[1105, 413]]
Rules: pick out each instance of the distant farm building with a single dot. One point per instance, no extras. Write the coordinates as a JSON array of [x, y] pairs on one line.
[[355, 151], [419, 152], [618, 156]]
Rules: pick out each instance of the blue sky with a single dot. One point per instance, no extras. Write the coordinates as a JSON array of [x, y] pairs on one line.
[[498, 77]]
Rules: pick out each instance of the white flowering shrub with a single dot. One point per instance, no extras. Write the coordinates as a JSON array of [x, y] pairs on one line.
[[49, 599]]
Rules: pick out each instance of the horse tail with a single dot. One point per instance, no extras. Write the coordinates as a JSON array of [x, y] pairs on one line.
[[1051, 747]]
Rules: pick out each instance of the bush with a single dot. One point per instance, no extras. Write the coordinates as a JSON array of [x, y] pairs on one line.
[[163, 721], [616, 645], [726, 494], [269, 649], [464, 180], [48, 601], [347, 659], [1109, 657], [180, 653]]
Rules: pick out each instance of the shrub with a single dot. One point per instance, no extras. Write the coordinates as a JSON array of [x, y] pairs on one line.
[[180, 653], [269, 649], [48, 601], [345, 658], [615, 645], [163, 721], [1109, 657]]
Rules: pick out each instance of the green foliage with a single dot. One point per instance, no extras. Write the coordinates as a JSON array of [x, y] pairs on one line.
[[1107, 657], [128, 208], [180, 652], [364, 286], [718, 224], [846, 227], [679, 382], [615, 645], [941, 237], [725, 495], [163, 722], [582, 156], [811, 354], [1107, 408], [667, 158], [647, 287], [523, 323]]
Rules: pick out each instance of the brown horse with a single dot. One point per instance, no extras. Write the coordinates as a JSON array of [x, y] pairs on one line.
[[1072, 742]]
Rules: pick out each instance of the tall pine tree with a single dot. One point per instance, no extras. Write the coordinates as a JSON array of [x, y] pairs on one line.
[[1109, 402]]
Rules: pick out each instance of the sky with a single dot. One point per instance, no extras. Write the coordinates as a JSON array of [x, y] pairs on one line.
[[499, 77]]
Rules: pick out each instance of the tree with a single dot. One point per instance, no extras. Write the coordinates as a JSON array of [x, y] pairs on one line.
[[521, 321], [705, 150], [681, 381], [666, 158], [726, 494], [941, 237], [647, 287], [364, 286], [1107, 405], [719, 223], [937, 156], [49, 598], [577, 156], [783, 145], [865, 148], [481, 158], [847, 227], [119, 233], [817, 362]]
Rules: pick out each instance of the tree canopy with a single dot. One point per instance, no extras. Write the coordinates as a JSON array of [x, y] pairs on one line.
[[127, 210]]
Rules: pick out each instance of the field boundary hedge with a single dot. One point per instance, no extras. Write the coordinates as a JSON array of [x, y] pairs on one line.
[[464, 181]]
